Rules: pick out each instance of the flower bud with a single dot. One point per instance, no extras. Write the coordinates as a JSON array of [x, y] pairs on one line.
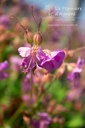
[[29, 37], [37, 39]]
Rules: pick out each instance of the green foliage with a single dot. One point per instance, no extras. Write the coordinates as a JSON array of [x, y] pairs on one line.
[[4, 98], [44, 26], [7, 51], [14, 84], [57, 90], [75, 121]]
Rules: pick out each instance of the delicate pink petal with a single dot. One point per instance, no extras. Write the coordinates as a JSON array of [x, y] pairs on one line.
[[24, 51]]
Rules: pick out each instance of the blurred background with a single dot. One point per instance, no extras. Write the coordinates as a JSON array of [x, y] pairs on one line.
[[62, 27]]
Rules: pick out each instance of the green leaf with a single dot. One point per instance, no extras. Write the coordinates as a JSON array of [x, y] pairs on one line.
[[76, 121], [57, 90]]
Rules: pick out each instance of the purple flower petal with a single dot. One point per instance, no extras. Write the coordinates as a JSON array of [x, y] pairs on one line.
[[54, 60], [4, 65], [40, 54], [44, 117], [80, 62], [75, 74], [3, 75], [70, 76]]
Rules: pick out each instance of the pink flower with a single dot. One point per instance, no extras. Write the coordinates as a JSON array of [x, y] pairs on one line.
[[35, 56]]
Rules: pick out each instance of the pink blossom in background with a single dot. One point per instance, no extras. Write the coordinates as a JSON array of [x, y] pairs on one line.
[[3, 67]]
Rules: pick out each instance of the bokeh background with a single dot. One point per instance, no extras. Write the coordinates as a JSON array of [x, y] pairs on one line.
[[64, 104]]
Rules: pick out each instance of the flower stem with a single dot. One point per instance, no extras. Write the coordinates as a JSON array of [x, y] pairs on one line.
[[43, 91], [81, 48], [31, 91]]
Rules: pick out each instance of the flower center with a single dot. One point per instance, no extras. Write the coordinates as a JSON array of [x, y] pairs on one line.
[[34, 51]]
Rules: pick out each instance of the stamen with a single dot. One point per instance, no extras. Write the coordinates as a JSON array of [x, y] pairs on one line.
[[28, 67], [47, 52]]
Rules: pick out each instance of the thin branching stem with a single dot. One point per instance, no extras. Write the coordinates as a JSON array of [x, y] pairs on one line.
[[12, 16]]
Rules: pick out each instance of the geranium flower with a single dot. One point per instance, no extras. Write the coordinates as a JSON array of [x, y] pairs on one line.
[[75, 74], [35, 56], [3, 66]]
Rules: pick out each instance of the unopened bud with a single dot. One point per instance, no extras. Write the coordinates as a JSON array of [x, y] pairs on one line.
[[29, 37], [37, 39]]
